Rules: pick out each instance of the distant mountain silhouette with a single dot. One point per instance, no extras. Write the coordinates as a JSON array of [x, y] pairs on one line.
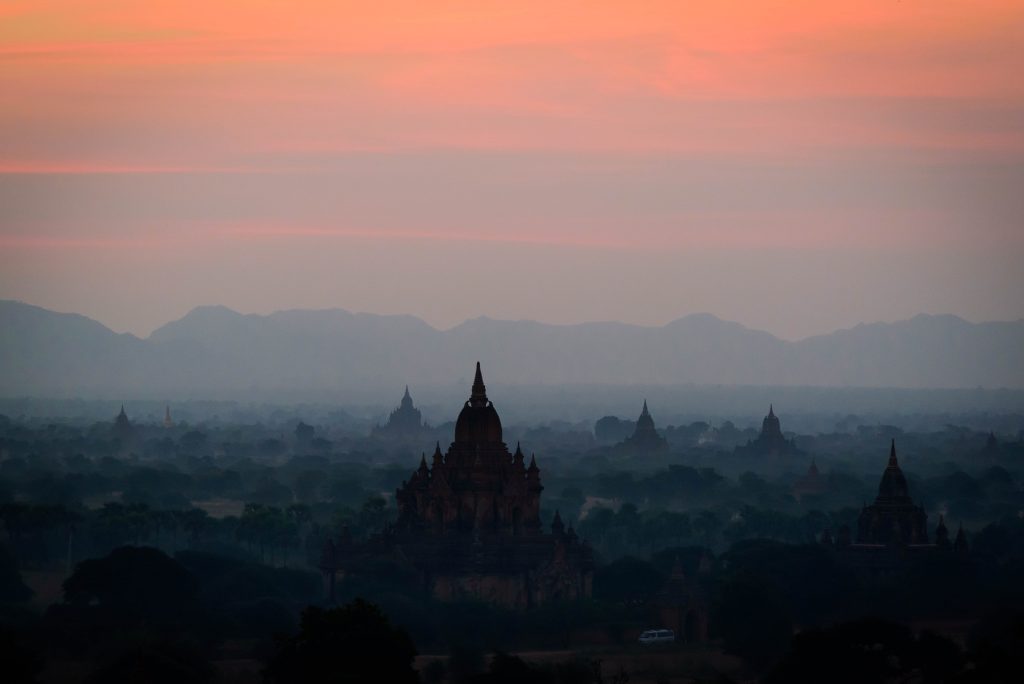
[[214, 351]]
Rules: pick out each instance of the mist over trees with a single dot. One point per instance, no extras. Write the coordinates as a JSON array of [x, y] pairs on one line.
[[182, 546]]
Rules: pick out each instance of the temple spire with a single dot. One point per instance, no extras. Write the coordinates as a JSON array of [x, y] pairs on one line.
[[406, 396], [645, 412], [771, 410], [479, 394], [557, 527], [892, 455], [960, 543], [122, 418], [942, 532], [677, 569]]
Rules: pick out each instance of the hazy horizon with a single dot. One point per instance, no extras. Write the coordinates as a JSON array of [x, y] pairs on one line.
[[147, 332]]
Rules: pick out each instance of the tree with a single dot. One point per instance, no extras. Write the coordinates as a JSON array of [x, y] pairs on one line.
[[373, 515], [354, 644], [612, 429], [155, 664], [304, 433], [809, 581], [627, 580], [118, 524], [867, 651], [753, 622], [257, 526], [996, 650], [12, 588], [706, 526], [193, 440], [130, 595], [31, 526], [195, 521], [308, 484], [20, 663], [132, 581]]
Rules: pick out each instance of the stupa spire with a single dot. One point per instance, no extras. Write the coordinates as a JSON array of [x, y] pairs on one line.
[[478, 397], [557, 526]]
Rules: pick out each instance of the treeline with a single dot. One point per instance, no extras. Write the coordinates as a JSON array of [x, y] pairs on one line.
[[47, 536], [768, 603]]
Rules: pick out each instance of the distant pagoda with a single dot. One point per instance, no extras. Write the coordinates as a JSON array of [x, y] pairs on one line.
[[811, 484], [771, 442], [645, 438], [123, 431], [122, 426], [404, 421]]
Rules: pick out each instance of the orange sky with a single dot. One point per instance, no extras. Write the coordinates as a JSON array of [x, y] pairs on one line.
[[684, 126]]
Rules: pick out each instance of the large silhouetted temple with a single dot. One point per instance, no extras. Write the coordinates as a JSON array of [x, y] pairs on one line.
[[893, 529], [469, 523], [893, 518]]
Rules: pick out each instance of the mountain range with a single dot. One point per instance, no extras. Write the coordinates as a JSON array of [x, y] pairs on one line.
[[216, 352]]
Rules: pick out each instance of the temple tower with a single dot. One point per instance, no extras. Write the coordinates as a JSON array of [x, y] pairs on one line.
[[893, 519]]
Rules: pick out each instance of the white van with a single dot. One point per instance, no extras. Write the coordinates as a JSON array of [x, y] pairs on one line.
[[658, 636]]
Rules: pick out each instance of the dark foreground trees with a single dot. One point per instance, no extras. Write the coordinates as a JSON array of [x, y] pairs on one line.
[[155, 663], [352, 644], [867, 651]]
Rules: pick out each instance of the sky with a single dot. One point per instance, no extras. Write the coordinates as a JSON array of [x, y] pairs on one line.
[[796, 166]]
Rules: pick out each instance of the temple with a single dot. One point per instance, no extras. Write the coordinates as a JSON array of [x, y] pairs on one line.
[[469, 523], [771, 442], [684, 603], [645, 438], [893, 530], [123, 427], [404, 421], [893, 518], [123, 432], [168, 423], [810, 485], [478, 487]]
